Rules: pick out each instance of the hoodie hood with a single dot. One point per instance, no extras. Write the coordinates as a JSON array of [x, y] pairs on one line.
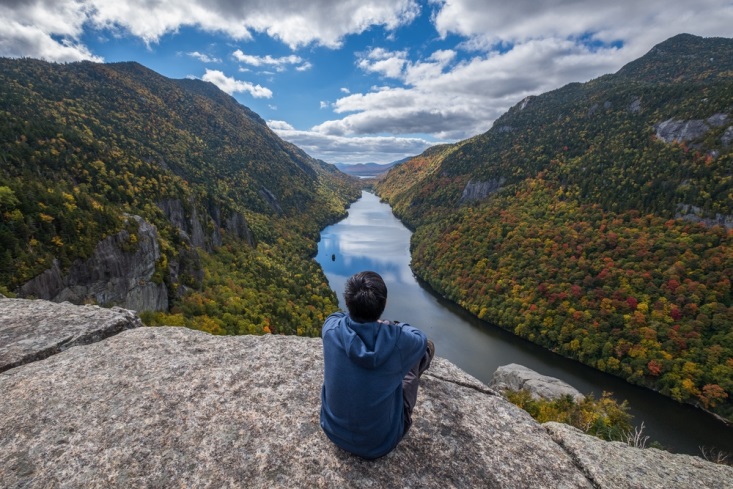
[[368, 345]]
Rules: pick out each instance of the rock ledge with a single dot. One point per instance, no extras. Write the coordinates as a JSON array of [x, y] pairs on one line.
[[164, 407], [34, 330]]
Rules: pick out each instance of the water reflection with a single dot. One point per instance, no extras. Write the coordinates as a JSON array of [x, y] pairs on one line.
[[371, 238]]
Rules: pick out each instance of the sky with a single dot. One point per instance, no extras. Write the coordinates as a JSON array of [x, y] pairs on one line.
[[356, 81]]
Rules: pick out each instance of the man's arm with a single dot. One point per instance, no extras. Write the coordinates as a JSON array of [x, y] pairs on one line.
[[413, 344]]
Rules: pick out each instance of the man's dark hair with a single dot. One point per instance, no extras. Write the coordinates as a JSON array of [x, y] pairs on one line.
[[366, 296]]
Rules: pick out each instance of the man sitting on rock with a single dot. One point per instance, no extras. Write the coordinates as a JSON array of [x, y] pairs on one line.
[[372, 371]]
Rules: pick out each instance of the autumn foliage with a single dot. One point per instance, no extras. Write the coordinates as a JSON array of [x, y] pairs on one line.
[[602, 239]]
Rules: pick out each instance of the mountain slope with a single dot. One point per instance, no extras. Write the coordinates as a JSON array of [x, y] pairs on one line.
[[83, 145], [592, 220]]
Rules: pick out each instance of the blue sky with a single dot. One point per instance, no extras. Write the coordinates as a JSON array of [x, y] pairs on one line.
[[358, 81]]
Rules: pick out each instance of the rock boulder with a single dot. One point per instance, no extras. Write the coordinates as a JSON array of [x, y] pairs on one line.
[[34, 330], [518, 377]]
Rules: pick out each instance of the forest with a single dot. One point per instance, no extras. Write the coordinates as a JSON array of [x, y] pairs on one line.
[[598, 234], [82, 145]]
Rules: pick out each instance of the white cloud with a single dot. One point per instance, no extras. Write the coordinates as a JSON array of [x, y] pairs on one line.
[[507, 50], [231, 85], [280, 126], [205, 58], [515, 49], [20, 38], [52, 28], [324, 104], [639, 25], [268, 60], [384, 62], [278, 63], [339, 149]]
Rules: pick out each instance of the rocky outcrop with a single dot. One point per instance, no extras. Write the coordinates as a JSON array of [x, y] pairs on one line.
[[164, 407], [677, 131], [481, 190], [188, 223], [34, 330], [615, 464], [119, 272], [727, 137], [271, 199], [518, 377], [192, 224], [155, 407], [695, 214], [237, 225]]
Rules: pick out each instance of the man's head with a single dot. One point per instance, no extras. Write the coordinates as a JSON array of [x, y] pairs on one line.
[[366, 296]]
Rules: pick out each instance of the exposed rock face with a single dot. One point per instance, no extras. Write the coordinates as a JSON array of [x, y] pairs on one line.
[[678, 131], [674, 131], [517, 377], [190, 227], [271, 200], [727, 137], [717, 120], [34, 330], [481, 190], [164, 407], [155, 406], [237, 225], [694, 214], [615, 464], [111, 276]]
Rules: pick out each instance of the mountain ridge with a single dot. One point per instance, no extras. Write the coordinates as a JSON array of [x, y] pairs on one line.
[[577, 221], [367, 169], [86, 145]]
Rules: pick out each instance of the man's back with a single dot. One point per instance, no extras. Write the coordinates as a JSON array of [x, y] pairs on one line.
[[364, 366]]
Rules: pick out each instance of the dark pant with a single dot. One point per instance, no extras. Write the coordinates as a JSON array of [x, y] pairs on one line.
[[410, 384]]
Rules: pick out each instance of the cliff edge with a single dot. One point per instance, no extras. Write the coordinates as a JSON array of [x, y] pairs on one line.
[[172, 407]]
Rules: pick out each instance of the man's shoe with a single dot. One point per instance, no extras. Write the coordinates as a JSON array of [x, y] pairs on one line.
[[431, 349]]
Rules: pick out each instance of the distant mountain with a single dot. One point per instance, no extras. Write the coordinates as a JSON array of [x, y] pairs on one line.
[[226, 208], [366, 169], [596, 220]]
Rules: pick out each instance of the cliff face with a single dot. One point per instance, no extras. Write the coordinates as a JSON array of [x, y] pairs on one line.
[[161, 407], [83, 144], [114, 274]]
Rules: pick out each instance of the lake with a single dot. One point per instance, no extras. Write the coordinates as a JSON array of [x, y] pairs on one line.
[[372, 238]]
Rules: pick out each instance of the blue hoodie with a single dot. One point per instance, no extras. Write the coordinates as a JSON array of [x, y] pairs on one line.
[[361, 399]]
